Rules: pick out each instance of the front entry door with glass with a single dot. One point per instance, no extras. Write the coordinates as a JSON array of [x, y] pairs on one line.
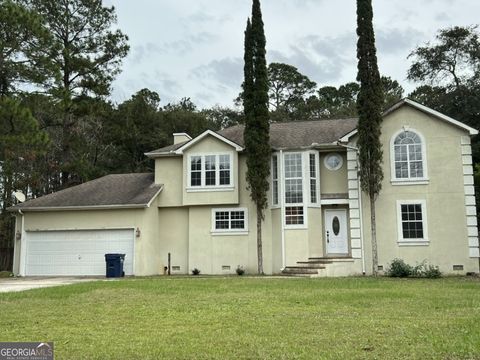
[[336, 232]]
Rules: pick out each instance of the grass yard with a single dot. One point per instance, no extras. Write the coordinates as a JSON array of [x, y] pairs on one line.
[[250, 318]]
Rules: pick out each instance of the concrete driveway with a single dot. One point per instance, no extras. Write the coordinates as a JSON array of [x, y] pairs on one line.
[[21, 284]]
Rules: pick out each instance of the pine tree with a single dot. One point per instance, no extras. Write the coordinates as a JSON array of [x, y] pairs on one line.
[[24, 48], [369, 105], [86, 52], [257, 127], [21, 143]]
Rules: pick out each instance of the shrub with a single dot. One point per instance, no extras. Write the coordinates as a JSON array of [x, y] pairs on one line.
[[398, 268], [432, 272], [419, 269], [5, 274], [240, 270], [195, 271]]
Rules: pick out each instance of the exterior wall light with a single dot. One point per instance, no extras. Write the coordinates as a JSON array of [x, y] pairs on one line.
[[137, 232], [18, 235]]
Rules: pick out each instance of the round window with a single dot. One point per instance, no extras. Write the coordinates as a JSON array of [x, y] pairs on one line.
[[333, 161]]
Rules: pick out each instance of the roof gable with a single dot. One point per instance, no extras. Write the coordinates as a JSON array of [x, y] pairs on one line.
[[206, 133], [422, 108]]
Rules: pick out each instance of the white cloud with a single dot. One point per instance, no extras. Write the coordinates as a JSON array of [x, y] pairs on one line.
[[195, 47]]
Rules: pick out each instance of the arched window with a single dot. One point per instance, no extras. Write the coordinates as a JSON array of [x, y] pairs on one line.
[[409, 156]]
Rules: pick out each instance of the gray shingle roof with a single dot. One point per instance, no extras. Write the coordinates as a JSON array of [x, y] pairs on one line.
[[169, 148], [286, 135], [289, 135], [117, 190]]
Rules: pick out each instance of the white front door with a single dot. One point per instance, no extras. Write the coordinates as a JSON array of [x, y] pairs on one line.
[[336, 232]]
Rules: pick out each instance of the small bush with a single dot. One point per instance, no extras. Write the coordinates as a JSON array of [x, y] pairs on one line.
[[398, 268], [195, 271], [419, 269], [432, 272], [240, 270], [5, 274]]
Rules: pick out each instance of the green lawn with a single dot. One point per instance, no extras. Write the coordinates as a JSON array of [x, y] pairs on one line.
[[250, 318]]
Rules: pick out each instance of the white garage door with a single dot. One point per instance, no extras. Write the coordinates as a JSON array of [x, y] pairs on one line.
[[76, 252]]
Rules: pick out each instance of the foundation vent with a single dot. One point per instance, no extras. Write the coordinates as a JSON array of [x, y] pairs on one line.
[[226, 267], [380, 267], [176, 268], [458, 267]]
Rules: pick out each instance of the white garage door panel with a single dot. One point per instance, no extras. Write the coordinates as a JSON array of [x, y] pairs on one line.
[[77, 252]]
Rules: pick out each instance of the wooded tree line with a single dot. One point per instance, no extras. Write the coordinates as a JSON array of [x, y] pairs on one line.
[[58, 126]]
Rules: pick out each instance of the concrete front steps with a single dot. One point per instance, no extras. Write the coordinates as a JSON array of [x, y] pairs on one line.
[[320, 267]]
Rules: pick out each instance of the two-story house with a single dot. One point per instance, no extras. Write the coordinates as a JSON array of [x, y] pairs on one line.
[[197, 208]]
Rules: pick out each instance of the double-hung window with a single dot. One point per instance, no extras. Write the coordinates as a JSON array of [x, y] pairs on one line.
[[233, 220], [412, 222], [294, 209], [210, 171]]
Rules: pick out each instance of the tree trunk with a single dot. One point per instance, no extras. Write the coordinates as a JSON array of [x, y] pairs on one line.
[[374, 235], [259, 241]]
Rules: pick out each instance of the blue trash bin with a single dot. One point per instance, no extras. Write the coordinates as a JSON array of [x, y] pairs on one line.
[[114, 263]]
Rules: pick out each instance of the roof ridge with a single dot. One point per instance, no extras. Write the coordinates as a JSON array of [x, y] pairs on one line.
[[123, 174], [315, 120]]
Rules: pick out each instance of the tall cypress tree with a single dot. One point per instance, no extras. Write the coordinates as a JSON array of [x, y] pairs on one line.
[[369, 106], [248, 82], [257, 127]]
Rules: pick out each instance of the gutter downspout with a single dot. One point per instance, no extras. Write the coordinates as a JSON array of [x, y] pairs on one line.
[[282, 209], [21, 265], [359, 204]]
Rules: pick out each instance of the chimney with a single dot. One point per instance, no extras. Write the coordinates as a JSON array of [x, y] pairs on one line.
[[180, 137]]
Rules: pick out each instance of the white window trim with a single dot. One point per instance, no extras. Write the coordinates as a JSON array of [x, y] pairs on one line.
[[412, 242], [279, 179], [217, 187], [304, 184], [408, 181], [243, 231], [296, 226], [317, 178]]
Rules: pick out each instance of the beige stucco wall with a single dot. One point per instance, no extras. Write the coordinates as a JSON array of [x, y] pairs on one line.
[[147, 260], [276, 253], [17, 242], [173, 233], [210, 145], [209, 252], [333, 181], [296, 246], [315, 232], [444, 196], [168, 171]]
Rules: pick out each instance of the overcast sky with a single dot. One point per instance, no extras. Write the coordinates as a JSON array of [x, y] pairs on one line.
[[194, 48]]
